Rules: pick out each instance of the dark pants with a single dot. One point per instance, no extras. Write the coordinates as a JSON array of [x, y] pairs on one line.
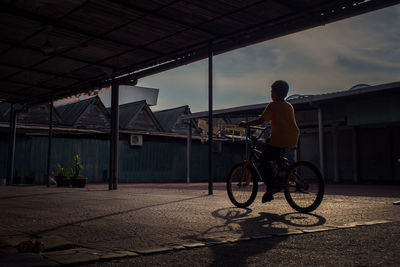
[[269, 153]]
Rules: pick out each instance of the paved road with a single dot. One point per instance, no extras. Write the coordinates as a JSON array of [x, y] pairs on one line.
[[375, 245], [92, 224]]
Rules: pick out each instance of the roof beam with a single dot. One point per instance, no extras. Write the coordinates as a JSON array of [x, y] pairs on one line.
[[19, 45], [15, 94], [155, 13], [26, 84], [8, 7], [22, 69], [58, 24]]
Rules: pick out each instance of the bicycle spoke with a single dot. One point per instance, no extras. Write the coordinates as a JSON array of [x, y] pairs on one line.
[[241, 187], [304, 187]]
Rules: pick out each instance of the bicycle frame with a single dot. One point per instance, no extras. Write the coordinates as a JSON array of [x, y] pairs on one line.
[[302, 182], [250, 157], [248, 178], [253, 154]]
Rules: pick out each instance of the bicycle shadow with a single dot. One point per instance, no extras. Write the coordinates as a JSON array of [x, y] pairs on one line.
[[240, 225]]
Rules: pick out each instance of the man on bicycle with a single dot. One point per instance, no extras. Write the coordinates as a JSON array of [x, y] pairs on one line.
[[284, 133]]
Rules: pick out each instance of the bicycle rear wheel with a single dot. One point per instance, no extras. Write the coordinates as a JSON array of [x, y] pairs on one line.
[[242, 185], [304, 186]]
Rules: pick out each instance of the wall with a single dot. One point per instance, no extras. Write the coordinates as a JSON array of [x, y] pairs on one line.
[[160, 159], [378, 151]]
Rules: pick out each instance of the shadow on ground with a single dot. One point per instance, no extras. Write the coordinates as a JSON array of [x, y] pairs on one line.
[[243, 226]]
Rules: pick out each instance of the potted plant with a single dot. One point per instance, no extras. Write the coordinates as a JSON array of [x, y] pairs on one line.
[[62, 176], [30, 177], [76, 179]]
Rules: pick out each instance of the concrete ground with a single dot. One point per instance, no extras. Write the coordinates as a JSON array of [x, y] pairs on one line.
[[164, 224]]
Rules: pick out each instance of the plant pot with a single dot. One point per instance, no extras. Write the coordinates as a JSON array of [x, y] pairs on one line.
[[78, 181], [63, 181], [30, 179]]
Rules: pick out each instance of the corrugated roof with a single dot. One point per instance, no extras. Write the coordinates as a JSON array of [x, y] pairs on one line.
[[302, 102], [52, 49], [369, 91]]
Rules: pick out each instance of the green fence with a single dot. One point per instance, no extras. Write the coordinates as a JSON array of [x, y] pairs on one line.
[[157, 160]]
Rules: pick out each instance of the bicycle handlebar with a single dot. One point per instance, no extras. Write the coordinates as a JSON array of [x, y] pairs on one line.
[[259, 128], [248, 134]]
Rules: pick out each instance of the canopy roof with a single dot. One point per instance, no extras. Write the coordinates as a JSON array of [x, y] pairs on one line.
[[51, 49]]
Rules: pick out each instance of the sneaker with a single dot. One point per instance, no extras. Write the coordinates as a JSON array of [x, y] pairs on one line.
[[267, 197]]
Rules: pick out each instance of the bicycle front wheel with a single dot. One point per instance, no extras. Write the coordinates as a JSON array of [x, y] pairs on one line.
[[304, 186], [242, 185]]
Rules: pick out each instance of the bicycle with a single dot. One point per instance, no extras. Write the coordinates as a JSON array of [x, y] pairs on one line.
[[302, 182]]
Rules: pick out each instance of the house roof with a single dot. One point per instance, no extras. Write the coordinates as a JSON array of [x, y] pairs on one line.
[[169, 117], [53, 49], [38, 114], [70, 113], [129, 112], [33, 114]]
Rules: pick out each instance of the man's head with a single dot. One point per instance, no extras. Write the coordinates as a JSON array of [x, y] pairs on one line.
[[279, 90]]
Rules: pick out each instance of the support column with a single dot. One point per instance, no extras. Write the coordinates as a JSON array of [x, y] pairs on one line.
[[335, 139], [11, 145], [247, 140], [321, 141], [356, 157], [210, 119], [114, 138], [50, 143], [188, 151]]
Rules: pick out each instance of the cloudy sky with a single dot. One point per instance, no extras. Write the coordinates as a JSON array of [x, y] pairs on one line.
[[334, 57]]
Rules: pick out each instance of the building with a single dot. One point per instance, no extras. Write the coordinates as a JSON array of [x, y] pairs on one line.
[[352, 135]]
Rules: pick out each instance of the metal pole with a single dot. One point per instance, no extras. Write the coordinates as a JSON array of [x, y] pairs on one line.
[[335, 145], [113, 180], [355, 154], [321, 141], [188, 151], [246, 141], [51, 105], [11, 145], [210, 120]]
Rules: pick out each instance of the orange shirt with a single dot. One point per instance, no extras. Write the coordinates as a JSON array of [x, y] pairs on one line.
[[284, 130]]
